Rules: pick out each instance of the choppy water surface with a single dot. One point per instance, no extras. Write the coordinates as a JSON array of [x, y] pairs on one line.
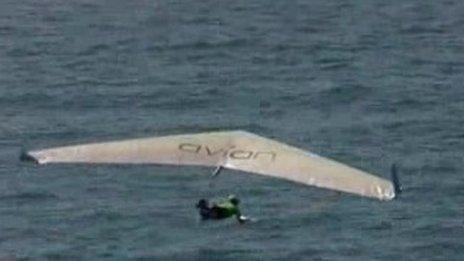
[[367, 84]]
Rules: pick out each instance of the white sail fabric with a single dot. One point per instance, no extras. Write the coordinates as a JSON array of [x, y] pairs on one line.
[[237, 150]]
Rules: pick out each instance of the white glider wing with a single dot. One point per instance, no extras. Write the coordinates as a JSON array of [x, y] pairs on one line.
[[237, 150]]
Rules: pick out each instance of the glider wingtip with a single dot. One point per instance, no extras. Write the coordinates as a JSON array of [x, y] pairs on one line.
[[27, 157]]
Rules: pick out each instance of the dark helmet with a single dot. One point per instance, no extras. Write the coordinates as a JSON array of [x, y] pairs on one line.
[[202, 203], [234, 200]]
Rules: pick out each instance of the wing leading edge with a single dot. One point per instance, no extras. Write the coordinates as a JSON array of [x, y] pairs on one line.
[[237, 150]]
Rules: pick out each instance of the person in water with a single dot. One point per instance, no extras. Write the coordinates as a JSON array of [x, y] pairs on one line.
[[221, 210]]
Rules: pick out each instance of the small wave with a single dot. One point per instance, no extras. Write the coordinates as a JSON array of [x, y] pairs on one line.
[[94, 49], [434, 248], [383, 225], [29, 196], [190, 103], [25, 98], [96, 216], [420, 30], [201, 45], [334, 66], [6, 30], [196, 128]]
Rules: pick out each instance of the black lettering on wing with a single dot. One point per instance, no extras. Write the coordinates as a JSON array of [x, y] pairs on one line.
[[241, 154], [190, 147], [265, 154], [211, 152]]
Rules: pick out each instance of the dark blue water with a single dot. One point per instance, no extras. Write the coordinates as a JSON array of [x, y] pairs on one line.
[[367, 84]]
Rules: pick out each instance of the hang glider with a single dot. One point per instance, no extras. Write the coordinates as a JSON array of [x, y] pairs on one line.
[[238, 150]]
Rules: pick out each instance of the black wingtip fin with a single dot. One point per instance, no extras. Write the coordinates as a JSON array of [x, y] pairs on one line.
[[395, 179]]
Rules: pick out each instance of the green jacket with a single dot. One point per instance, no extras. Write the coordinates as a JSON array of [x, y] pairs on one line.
[[227, 209]]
